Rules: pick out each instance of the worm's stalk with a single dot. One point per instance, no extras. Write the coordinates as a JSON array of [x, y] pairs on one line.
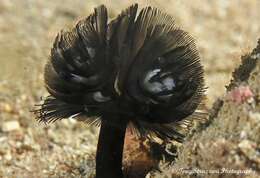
[[110, 150]]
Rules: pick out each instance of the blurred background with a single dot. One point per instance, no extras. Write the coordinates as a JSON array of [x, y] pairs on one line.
[[224, 30]]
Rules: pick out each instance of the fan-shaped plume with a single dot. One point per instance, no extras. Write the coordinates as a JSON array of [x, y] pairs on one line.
[[140, 66]]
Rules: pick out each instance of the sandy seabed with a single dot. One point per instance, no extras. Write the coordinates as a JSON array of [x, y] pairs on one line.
[[224, 30]]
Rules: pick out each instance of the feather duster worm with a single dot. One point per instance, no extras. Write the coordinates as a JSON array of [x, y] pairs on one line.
[[138, 71]]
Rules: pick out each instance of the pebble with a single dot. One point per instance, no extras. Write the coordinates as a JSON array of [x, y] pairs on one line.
[[5, 107], [10, 126], [248, 148]]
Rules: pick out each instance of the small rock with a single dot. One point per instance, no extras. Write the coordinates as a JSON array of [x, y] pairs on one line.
[[2, 139], [246, 145], [243, 134], [255, 116], [5, 107], [8, 156], [248, 148], [10, 126]]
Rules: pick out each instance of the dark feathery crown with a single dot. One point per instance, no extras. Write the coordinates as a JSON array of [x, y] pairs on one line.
[[139, 66]]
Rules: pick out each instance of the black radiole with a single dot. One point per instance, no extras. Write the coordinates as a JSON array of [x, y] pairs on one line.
[[139, 70]]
